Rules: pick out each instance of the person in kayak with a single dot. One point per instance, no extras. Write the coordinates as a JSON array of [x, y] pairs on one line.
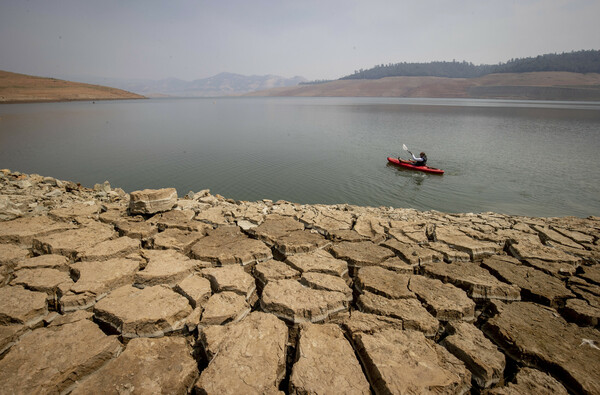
[[421, 160], [417, 161]]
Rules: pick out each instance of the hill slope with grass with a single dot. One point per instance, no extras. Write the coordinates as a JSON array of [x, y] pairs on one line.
[[527, 86], [21, 88]]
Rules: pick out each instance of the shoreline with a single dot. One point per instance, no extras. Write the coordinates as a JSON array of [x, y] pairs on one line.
[[32, 101], [92, 193], [93, 280]]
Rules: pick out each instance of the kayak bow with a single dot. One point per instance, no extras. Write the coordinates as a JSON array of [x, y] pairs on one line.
[[410, 166]]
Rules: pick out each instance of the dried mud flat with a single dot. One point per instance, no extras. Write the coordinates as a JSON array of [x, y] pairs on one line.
[[107, 292]]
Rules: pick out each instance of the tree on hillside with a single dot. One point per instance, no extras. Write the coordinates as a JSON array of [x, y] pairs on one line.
[[576, 62]]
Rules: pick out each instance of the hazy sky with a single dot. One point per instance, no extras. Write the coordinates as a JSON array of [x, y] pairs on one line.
[[314, 39]]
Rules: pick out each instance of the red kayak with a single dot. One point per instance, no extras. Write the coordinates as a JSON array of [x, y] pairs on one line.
[[408, 165]]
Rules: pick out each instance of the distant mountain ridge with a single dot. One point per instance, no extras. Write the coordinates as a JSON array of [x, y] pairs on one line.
[[222, 84]]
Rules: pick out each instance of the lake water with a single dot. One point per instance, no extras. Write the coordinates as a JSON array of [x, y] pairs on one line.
[[513, 157]]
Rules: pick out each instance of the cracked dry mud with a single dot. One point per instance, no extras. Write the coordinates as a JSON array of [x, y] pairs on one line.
[[106, 292]]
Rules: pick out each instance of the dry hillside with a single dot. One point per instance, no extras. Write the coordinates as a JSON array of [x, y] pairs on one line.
[[21, 88], [540, 86]]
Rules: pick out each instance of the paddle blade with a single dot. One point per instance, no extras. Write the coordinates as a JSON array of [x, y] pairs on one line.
[[404, 147]]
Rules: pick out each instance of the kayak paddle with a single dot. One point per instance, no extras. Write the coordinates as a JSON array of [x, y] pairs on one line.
[[405, 148]]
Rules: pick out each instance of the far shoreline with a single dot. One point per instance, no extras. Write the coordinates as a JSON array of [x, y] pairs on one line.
[[34, 101], [549, 86]]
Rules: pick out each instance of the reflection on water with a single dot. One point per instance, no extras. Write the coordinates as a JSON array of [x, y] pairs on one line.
[[516, 157], [414, 176]]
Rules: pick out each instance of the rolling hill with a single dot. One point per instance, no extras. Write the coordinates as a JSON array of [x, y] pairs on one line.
[[21, 88], [527, 86]]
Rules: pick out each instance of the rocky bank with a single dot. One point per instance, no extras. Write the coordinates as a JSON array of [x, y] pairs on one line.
[[107, 292]]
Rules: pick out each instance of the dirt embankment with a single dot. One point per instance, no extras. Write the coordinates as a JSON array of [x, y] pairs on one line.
[[21, 88], [537, 86]]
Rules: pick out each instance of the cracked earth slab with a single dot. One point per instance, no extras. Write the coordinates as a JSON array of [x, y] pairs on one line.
[[539, 337], [325, 361], [407, 362], [252, 351], [52, 359], [149, 312]]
